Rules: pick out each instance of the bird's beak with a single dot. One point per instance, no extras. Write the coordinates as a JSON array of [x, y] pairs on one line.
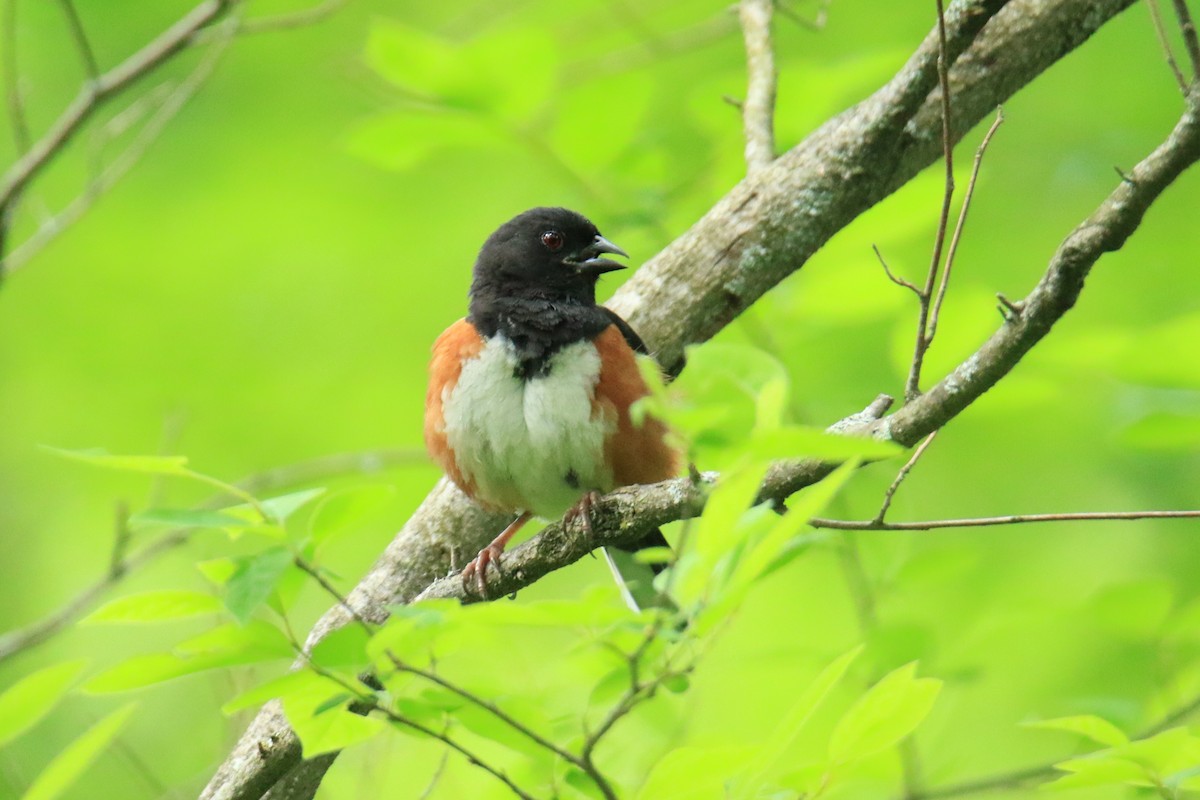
[[588, 262]]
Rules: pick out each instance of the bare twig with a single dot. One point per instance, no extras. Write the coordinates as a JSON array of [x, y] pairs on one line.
[[893, 277], [817, 23], [912, 386], [126, 160], [102, 89], [311, 570], [21, 639], [16, 109], [1190, 40], [758, 112], [293, 19], [436, 777], [1009, 519], [901, 475], [88, 56], [958, 227], [1161, 31], [12, 78], [583, 764]]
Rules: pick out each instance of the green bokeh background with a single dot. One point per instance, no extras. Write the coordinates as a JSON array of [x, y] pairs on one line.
[[264, 286]]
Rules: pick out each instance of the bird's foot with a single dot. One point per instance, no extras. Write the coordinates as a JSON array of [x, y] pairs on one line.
[[581, 513], [474, 574], [476, 571]]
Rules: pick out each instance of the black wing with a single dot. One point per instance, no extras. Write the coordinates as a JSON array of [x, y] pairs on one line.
[[635, 342]]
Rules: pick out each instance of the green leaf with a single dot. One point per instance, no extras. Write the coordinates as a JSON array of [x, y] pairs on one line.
[[1100, 770], [225, 646], [159, 465], [73, 761], [791, 525], [322, 729], [345, 647], [1097, 729], [27, 701], [694, 773], [780, 742], [797, 442], [888, 712], [301, 681], [184, 518], [341, 510], [278, 509], [718, 533], [155, 606], [254, 580], [218, 571]]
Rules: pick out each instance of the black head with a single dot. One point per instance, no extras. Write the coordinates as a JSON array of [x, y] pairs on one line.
[[549, 253]]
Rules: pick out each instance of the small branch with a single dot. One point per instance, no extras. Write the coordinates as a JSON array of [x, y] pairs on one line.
[[17, 641], [293, 19], [1190, 40], [758, 112], [90, 65], [985, 522], [901, 475], [103, 88], [912, 386], [49, 230], [121, 534], [582, 763], [958, 226], [894, 278], [1160, 30], [310, 569], [12, 78]]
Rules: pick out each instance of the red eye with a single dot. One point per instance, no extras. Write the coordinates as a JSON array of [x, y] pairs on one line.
[[553, 240]]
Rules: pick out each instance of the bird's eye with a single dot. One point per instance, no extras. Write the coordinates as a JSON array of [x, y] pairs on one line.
[[553, 240]]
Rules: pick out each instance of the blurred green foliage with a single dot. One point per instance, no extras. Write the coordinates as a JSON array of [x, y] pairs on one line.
[[264, 287]]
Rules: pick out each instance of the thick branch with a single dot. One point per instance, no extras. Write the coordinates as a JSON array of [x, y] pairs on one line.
[[763, 230]]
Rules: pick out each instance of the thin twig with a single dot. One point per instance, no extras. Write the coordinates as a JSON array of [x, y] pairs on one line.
[[901, 475], [816, 24], [1161, 31], [436, 778], [103, 88], [21, 639], [90, 65], [120, 166], [758, 112], [16, 109], [958, 227], [1017, 778], [586, 766], [293, 19], [305, 566], [893, 277], [984, 522], [121, 535], [912, 386], [367, 702], [1190, 40]]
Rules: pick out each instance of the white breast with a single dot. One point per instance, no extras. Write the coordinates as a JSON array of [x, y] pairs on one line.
[[538, 435]]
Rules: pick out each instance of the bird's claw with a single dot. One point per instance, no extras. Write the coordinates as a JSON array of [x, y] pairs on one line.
[[474, 574], [581, 513]]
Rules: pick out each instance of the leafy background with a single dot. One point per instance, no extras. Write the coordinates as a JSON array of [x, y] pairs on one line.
[[263, 289]]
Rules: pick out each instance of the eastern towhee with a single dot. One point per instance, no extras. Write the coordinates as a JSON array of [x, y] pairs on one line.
[[528, 403]]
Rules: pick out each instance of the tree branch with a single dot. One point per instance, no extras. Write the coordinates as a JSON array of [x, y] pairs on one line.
[[104, 87], [1190, 40], [984, 522], [17, 641], [758, 112], [758, 234]]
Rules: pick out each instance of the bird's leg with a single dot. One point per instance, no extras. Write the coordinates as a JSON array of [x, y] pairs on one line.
[[477, 568], [582, 512]]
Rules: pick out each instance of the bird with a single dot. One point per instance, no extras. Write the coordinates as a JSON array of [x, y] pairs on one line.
[[528, 402]]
